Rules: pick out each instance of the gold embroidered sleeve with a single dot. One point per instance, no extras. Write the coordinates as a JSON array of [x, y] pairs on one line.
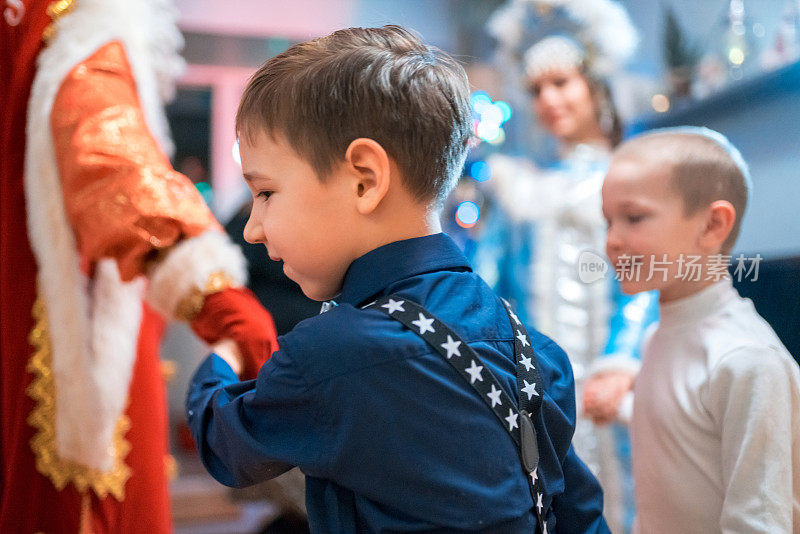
[[123, 198]]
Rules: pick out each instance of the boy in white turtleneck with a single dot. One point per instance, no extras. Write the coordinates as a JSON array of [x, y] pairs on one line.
[[716, 418]]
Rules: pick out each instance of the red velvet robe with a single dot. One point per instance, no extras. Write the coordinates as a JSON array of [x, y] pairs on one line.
[[29, 500]]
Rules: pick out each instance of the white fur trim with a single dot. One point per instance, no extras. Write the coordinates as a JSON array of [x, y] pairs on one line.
[[75, 311], [602, 26], [552, 53], [87, 414], [189, 265], [615, 362]]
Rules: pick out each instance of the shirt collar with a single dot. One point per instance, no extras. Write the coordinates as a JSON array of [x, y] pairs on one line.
[[379, 268], [694, 308]]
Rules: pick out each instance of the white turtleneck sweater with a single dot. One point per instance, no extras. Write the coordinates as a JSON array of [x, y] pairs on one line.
[[716, 421]]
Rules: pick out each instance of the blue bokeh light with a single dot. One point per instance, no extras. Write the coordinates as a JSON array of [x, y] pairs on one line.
[[467, 214], [480, 170], [505, 108]]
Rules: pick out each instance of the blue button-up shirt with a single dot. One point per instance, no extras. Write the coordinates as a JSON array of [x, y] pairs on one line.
[[389, 436]]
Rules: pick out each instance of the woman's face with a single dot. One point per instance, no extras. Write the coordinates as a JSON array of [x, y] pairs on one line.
[[564, 105]]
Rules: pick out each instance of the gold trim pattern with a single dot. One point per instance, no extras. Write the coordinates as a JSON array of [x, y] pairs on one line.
[[55, 10], [190, 305], [42, 390]]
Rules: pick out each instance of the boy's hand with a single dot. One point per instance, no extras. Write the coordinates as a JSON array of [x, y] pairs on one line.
[[235, 314], [228, 350], [603, 393]]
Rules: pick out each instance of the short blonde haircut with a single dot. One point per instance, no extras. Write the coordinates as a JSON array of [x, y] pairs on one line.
[[706, 167]]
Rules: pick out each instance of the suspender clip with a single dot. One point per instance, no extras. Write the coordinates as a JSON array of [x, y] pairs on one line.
[[528, 447]]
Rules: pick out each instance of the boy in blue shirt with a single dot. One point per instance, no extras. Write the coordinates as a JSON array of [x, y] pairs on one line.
[[349, 144]]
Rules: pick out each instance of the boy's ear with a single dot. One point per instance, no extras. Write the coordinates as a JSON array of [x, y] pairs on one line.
[[372, 170], [719, 223]]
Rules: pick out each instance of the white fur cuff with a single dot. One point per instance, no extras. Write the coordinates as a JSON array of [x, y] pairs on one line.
[[189, 265]]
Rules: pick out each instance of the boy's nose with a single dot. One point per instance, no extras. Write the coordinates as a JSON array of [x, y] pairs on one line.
[[253, 233], [613, 241]]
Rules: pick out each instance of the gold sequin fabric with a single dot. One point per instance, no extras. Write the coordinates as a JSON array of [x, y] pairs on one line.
[[123, 198], [190, 305]]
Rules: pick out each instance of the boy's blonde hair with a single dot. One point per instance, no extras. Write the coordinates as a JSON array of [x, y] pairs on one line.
[[706, 167], [379, 83]]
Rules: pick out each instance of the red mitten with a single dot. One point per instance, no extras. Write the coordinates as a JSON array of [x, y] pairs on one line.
[[236, 314]]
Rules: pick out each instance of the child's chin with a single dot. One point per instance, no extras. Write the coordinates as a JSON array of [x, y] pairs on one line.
[[317, 293], [313, 295], [631, 288]]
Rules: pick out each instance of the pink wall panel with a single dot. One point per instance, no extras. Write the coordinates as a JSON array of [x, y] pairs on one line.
[[294, 19]]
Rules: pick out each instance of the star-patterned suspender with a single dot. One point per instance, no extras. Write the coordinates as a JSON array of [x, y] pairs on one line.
[[516, 421]]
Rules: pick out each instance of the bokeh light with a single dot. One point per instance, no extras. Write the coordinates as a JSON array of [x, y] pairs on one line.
[[488, 131], [206, 192], [480, 99], [736, 56], [660, 103], [489, 117], [492, 114], [499, 138], [480, 170], [467, 214], [235, 153], [505, 108]]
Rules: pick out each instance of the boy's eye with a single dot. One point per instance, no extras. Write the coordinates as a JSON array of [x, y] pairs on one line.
[[264, 195], [633, 219]]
